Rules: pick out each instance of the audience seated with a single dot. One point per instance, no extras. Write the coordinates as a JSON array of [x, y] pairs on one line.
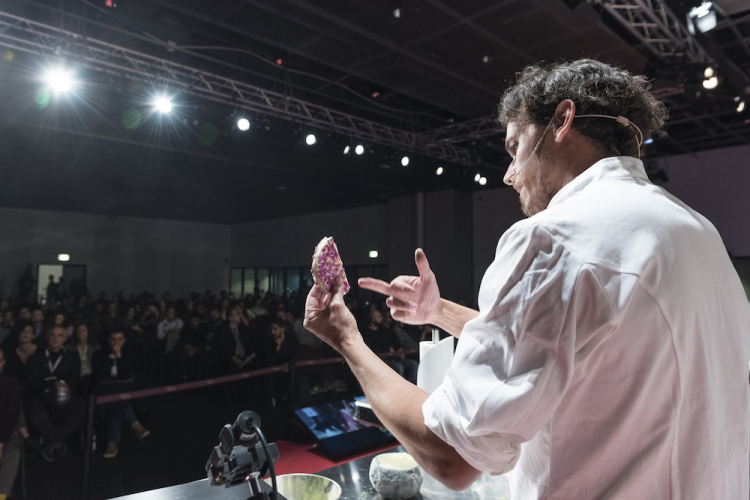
[[85, 345], [235, 344], [190, 350], [55, 410], [114, 372], [169, 329], [19, 347], [382, 340]]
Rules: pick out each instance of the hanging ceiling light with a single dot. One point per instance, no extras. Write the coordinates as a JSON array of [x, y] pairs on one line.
[[359, 149], [405, 161], [703, 18], [310, 139], [477, 177], [346, 150], [243, 124], [59, 80], [482, 181], [439, 171], [163, 104]]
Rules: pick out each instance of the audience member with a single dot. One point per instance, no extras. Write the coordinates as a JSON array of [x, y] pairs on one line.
[[169, 329], [53, 291], [235, 345], [130, 326], [85, 345], [59, 319], [111, 318], [24, 313], [190, 348], [114, 372], [10, 440], [37, 316], [55, 410], [19, 347]]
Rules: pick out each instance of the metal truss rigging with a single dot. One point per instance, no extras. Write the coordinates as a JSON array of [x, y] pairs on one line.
[[28, 36], [657, 28]]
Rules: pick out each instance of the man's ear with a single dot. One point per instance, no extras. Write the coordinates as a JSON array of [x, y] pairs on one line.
[[563, 119]]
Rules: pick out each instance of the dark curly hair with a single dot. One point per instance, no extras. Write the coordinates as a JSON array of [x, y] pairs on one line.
[[595, 88]]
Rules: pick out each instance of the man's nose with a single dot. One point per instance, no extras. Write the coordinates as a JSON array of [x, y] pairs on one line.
[[509, 175]]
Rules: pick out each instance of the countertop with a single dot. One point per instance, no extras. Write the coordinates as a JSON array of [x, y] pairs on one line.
[[353, 477]]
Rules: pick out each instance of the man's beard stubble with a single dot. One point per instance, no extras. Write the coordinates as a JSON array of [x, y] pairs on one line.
[[539, 197]]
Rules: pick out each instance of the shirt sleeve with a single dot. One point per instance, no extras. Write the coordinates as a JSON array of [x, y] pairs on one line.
[[160, 331], [514, 362]]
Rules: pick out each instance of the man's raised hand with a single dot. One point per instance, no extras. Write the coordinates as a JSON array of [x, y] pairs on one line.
[[413, 299], [327, 316]]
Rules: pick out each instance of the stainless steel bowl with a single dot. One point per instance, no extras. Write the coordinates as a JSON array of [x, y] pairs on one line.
[[307, 487]]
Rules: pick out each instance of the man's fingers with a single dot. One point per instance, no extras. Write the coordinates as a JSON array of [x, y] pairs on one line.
[[317, 298], [422, 264], [337, 290], [400, 286], [405, 305], [375, 285]]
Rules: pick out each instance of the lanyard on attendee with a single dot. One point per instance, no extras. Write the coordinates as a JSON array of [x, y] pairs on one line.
[[52, 367]]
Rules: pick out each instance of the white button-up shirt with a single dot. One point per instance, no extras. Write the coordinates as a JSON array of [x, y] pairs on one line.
[[610, 355]]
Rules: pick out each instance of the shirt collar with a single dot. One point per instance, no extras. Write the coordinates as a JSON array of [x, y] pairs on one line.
[[606, 168]]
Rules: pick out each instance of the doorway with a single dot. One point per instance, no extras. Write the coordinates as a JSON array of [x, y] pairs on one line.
[[64, 274]]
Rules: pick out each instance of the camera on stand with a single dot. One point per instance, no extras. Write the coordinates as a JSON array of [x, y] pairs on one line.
[[244, 455]]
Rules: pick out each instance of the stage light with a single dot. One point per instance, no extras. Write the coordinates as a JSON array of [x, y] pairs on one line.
[[346, 150], [163, 104], [708, 72], [711, 83], [703, 17], [741, 107], [243, 124], [59, 80], [439, 171], [397, 13], [477, 177], [310, 139], [359, 149], [650, 140], [63, 257], [482, 181], [373, 254], [405, 161]]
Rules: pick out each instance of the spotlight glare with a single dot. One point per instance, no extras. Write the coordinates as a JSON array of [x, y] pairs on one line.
[[711, 83], [359, 149], [741, 107], [311, 139], [397, 13], [477, 177], [346, 150], [59, 80], [482, 181], [405, 161], [439, 171], [63, 257], [708, 72], [243, 124], [163, 104], [373, 254], [650, 140]]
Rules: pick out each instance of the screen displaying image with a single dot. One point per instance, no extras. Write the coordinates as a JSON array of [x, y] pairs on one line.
[[334, 426]]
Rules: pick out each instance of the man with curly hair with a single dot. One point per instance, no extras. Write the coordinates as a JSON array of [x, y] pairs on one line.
[[609, 354]]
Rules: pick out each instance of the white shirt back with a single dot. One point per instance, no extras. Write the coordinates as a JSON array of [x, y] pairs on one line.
[[610, 356]]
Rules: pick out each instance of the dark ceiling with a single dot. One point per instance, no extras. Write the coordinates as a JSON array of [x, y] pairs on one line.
[[439, 64]]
